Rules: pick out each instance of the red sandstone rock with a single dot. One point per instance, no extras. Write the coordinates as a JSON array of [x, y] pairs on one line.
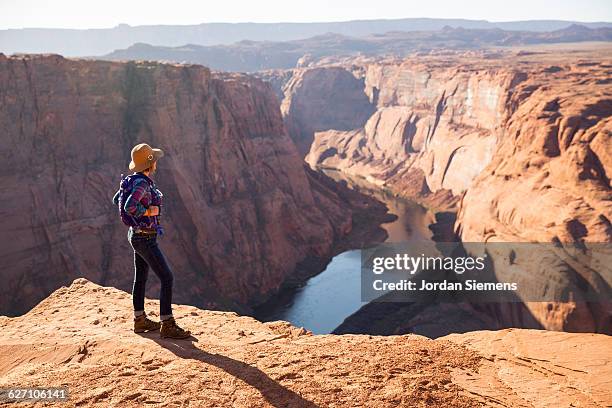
[[240, 211], [448, 116], [549, 178], [240, 362], [439, 119], [524, 140], [321, 99]]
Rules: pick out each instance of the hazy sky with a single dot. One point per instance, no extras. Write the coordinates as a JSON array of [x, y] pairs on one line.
[[108, 13]]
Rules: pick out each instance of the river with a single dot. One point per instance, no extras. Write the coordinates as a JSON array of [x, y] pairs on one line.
[[328, 298]]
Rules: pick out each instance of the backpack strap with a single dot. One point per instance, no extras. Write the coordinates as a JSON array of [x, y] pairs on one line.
[[129, 180]]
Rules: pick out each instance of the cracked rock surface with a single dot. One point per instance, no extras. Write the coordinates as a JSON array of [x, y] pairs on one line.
[[81, 337]]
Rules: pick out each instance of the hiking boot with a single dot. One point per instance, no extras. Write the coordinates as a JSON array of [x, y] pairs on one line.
[[143, 324], [170, 330]]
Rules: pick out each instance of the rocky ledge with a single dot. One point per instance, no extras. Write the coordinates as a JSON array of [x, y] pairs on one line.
[[81, 337]]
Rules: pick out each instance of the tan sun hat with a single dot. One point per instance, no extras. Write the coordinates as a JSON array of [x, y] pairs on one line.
[[143, 157]]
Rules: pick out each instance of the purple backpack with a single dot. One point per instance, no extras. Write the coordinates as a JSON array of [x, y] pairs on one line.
[[125, 189]]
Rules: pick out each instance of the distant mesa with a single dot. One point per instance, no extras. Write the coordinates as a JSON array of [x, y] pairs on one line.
[[249, 55], [88, 42]]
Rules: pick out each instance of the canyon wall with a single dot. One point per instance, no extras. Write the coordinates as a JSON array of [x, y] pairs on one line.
[[521, 142], [549, 179], [240, 210], [497, 129], [432, 127], [323, 98], [449, 117]]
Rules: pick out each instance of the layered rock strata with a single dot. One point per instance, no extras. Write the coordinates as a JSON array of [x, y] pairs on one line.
[[521, 142], [240, 209]]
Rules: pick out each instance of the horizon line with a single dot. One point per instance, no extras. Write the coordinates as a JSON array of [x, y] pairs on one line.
[[118, 25]]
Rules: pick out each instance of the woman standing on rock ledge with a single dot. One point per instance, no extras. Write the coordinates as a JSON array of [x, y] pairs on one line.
[[139, 204]]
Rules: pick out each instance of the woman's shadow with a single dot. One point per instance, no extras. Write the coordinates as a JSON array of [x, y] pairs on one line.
[[274, 393]]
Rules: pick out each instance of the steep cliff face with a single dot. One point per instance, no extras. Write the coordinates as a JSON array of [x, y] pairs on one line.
[[321, 99], [549, 178], [432, 120], [522, 140], [240, 210], [239, 362], [500, 128], [548, 181]]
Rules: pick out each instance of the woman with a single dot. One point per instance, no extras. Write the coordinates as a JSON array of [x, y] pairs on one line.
[[140, 203]]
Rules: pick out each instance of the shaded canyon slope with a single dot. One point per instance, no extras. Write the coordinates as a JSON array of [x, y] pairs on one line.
[[520, 143], [240, 362], [241, 211]]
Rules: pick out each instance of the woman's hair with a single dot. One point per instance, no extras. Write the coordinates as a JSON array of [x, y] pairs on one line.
[[150, 167]]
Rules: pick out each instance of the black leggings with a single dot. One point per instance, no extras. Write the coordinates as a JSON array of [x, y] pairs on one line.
[[147, 254]]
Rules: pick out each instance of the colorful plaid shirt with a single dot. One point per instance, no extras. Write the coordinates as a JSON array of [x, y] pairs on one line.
[[139, 200]]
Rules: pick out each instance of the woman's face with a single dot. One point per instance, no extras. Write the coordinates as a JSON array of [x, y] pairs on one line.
[[153, 168]]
